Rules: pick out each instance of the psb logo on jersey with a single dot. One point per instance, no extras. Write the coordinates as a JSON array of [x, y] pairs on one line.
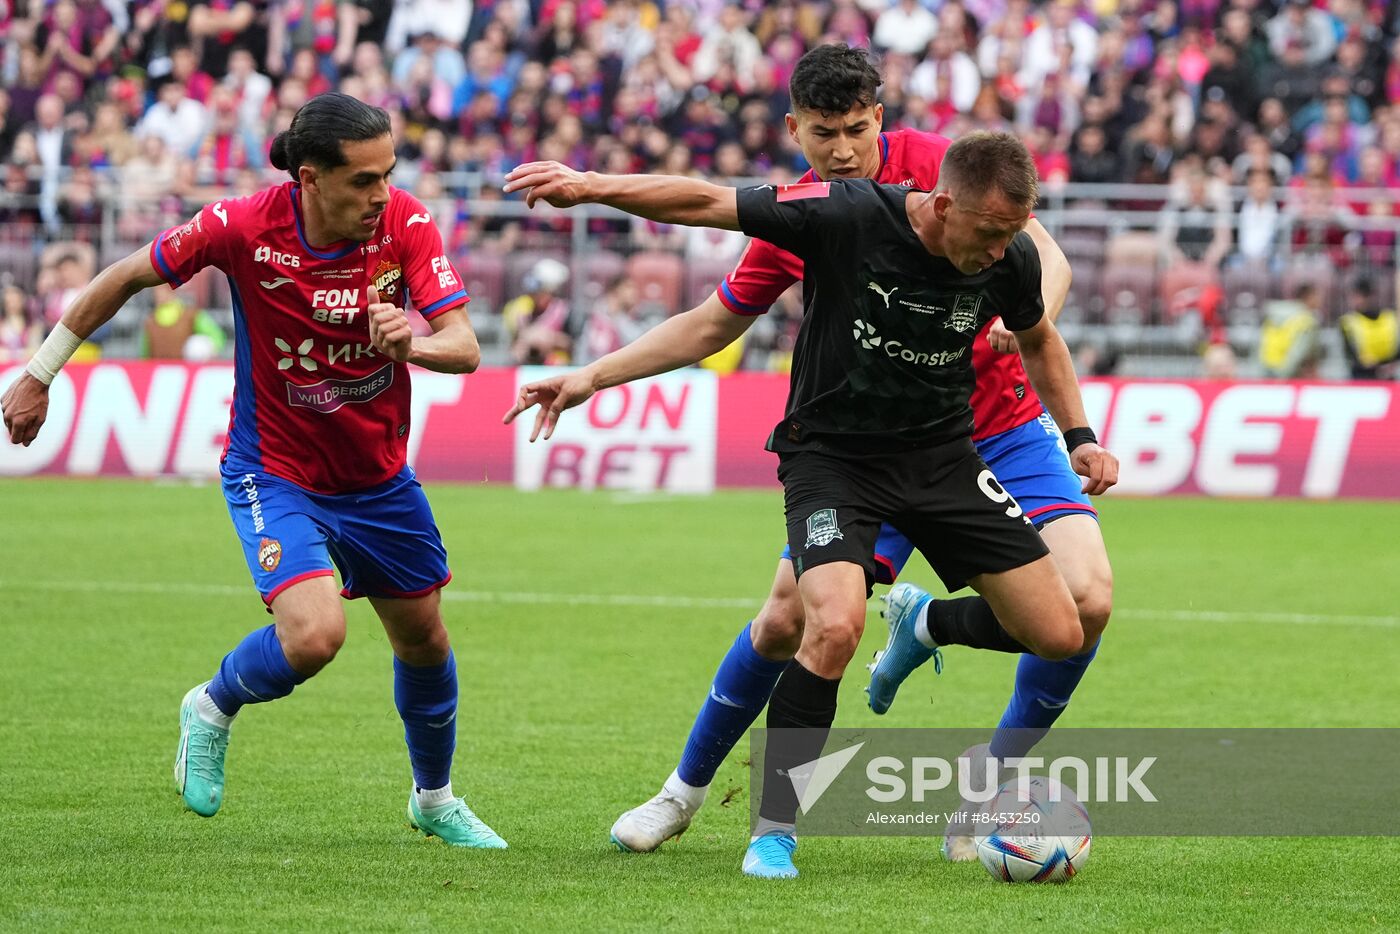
[[266, 254], [822, 528], [269, 554], [964, 316], [387, 278]]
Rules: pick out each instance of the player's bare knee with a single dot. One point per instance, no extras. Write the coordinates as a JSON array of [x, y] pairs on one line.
[[777, 629], [1095, 604], [1060, 636], [422, 645], [776, 637], [1093, 619], [309, 647], [829, 647], [1059, 646], [833, 632]]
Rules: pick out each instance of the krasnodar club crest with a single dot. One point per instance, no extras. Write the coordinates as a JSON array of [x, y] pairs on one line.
[[964, 316], [822, 528]]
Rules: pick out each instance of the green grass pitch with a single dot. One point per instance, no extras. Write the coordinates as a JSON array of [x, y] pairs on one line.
[[577, 692]]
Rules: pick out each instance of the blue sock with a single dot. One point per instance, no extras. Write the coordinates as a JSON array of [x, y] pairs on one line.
[[255, 672], [1042, 690], [744, 681], [427, 701]]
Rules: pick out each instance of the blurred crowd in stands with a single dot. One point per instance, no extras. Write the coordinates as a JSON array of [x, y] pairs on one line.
[[1275, 127]]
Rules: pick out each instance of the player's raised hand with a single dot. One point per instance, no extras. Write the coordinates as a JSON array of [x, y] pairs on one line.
[[26, 405], [1001, 338], [551, 182], [1096, 465], [553, 396], [389, 330]]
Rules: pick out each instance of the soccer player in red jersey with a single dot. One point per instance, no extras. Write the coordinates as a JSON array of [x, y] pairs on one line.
[[315, 469], [836, 121]]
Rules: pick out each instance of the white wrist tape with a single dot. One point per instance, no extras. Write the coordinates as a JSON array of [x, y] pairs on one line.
[[54, 352]]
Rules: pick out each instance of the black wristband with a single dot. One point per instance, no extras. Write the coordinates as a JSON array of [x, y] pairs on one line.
[[1077, 436]]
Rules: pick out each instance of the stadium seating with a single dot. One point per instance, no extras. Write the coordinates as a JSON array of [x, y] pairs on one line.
[[702, 277], [659, 277]]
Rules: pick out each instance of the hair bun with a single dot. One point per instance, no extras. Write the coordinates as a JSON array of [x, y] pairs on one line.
[[278, 156]]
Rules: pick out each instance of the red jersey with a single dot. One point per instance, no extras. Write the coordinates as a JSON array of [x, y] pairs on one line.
[[1003, 398], [313, 401]]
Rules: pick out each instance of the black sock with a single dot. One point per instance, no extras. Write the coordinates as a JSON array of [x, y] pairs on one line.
[[969, 621], [801, 701]]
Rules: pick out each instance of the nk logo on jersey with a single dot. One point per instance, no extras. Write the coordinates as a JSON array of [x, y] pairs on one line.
[[265, 254]]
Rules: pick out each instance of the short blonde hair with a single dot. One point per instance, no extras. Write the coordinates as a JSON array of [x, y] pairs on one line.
[[982, 162]]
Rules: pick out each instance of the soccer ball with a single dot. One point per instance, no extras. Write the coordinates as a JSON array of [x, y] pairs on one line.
[[1035, 831]]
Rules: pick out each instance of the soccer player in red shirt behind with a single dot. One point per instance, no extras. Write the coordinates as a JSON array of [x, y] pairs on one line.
[[315, 468]]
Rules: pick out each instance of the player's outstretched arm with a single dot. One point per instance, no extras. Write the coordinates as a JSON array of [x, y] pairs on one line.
[[681, 340], [668, 199], [26, 402], [1055, 279], [1051, 370]]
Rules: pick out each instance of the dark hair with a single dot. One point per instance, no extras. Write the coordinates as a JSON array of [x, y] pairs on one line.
[[833, 78], [982, 162], [320, 126]]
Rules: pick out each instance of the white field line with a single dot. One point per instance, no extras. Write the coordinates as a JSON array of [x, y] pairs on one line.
[[665, 601]]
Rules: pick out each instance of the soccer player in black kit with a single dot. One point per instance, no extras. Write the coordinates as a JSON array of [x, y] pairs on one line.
[[897, 284]]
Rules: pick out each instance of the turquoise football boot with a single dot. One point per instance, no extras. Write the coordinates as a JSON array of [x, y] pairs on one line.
[[199, 760], [454, 824]]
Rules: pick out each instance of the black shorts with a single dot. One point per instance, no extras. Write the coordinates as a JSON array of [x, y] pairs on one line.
[[945, 500]]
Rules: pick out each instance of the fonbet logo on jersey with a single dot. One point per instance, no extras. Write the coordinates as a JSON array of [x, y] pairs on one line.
[[447, 278], [335, 306], [266, 254], [865, 333]]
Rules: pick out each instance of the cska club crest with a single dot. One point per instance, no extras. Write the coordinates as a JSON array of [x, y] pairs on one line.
[[387, 278], [269, 554]]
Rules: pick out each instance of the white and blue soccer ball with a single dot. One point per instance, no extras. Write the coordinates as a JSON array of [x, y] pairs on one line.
[[1036, 831]]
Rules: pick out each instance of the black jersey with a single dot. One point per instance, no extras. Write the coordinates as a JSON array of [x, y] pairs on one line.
[[883, 361]]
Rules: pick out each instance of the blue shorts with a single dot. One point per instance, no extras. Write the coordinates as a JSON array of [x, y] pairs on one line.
[[383, 540], [1031, 464]]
